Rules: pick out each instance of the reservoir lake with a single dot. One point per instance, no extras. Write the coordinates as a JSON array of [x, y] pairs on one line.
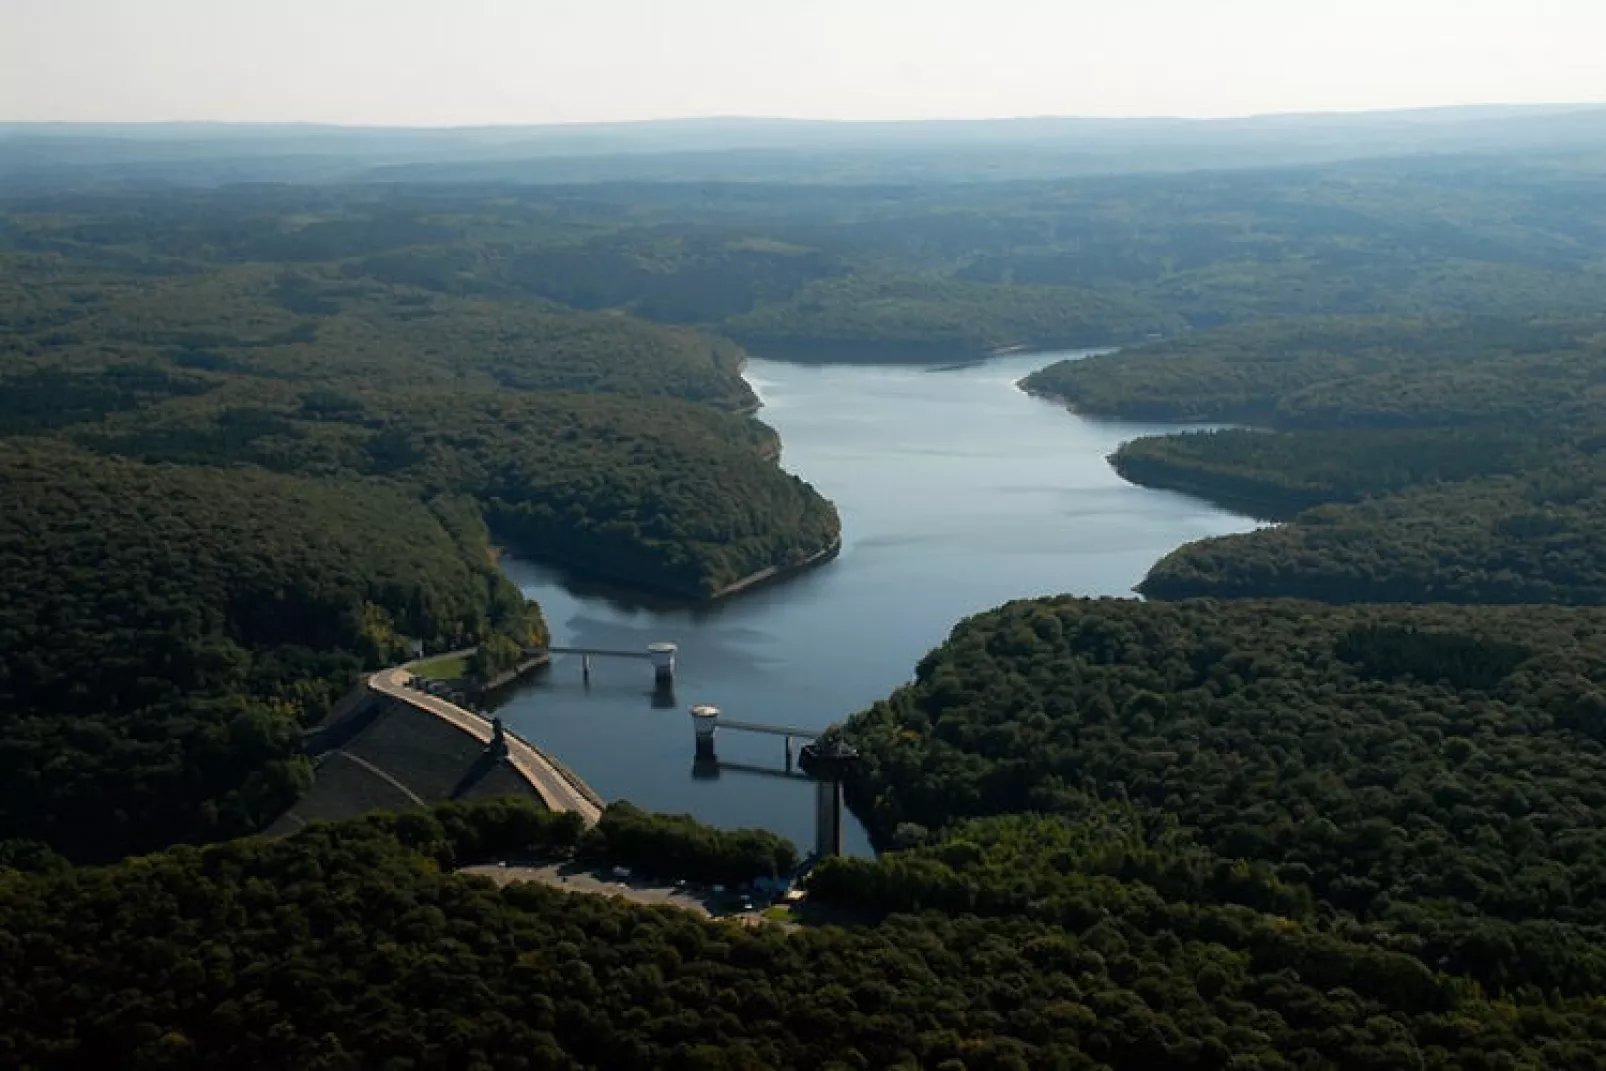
[[957, 491]]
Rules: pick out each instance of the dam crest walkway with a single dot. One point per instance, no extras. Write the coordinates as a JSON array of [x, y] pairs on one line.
[[556, 787]]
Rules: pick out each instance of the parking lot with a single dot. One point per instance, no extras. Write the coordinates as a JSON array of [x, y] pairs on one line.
[[572, 877]]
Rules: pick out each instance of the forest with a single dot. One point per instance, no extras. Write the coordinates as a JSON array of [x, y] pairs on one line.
[[907, 270], [525, 406], [1375, 751], [258, 438], [1421, 780], [1099, 945], [1446, 459], [231, 486], [166, 631]]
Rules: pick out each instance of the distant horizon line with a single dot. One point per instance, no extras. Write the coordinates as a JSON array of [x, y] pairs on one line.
[[1402, 110]]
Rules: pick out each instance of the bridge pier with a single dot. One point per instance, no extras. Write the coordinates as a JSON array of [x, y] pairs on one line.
[[663, 663], [828, 761], [705, 719], [827, 818], [585, 668]]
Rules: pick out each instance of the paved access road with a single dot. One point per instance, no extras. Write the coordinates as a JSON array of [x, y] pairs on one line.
[[555, 790]]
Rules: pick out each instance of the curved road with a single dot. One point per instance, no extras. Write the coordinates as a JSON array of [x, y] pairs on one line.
[[555, 790]]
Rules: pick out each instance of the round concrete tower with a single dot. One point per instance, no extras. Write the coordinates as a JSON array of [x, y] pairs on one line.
[[704, 720]]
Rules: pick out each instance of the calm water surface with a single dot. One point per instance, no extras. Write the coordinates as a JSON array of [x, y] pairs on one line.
[[957, 493]]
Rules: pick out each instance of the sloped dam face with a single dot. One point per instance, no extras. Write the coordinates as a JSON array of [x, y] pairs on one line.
[[957, 492]]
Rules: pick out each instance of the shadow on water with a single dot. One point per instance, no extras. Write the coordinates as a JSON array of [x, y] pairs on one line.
[[620, 597]]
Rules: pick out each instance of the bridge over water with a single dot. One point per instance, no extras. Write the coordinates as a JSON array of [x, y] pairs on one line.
[[661, 655], [823, 765]]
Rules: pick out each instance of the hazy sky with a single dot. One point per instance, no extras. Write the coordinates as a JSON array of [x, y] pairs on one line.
[[518, 61]]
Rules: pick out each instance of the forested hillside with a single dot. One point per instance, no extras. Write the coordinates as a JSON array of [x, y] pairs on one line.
[[1371, 745], [1421, 780], [165, 632], [1532, 539], [352, 946], [257, 439], [1452, 459], [914, 270], [307, 369], [1336, 372], [234, 484]]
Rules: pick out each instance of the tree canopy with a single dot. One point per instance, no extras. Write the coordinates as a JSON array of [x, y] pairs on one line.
[[354, 946], [238, 472], [1445, 459], [257, 439]]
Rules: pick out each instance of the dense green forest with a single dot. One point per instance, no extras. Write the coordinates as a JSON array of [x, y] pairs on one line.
[[354, 946], [1422, 780], [678, 847], [166, 631], [908, 271], [1438, 459], [1530, 539], [1343, 372], [600, 442], [1378, 748], [232, 485], [1280, 474], [1086, 946], [257, 439]]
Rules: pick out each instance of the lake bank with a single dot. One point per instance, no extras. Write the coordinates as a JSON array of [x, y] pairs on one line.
[[777, 573]]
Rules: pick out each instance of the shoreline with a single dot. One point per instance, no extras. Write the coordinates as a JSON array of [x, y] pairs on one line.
[[812, 350], [1253, 504], [645, 591], [750, 410], [1130, 418], [507, 677], [776, 573], [645, 594], [1260, 507]]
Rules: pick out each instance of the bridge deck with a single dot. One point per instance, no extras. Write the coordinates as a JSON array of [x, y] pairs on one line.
[[599, 652], [776, 730]]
